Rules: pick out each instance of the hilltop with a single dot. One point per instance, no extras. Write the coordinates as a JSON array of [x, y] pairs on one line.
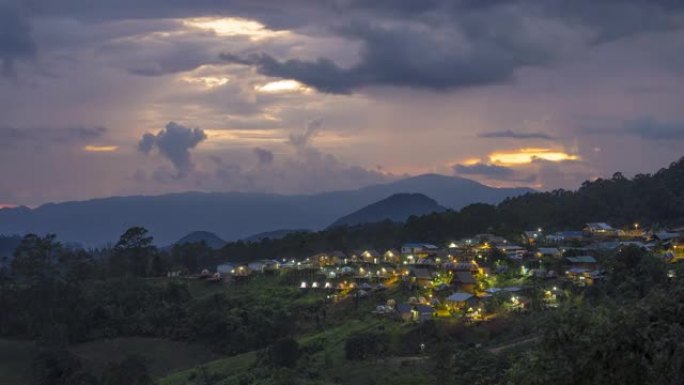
[[396, 208]]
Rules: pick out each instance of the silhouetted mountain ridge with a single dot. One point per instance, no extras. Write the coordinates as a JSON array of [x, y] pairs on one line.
[[230, 215], [212, 240], [396, 208]]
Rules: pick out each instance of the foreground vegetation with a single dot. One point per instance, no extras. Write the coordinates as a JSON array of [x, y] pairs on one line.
[[70, 324], [109, 317]]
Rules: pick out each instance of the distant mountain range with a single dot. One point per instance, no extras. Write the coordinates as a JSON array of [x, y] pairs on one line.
[[212, 240], [396, 208], [232, 215]]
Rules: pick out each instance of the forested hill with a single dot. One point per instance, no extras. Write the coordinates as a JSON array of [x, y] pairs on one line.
[[396, 208], [649, 199]]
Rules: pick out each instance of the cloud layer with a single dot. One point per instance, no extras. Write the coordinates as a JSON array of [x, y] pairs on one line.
[[301, 96], [510, 134], [174, 142]]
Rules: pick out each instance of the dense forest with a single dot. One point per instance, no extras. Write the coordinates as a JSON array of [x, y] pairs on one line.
[[60, 296]]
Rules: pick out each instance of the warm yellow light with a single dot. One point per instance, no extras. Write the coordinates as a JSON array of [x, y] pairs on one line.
[[528, 155], [95, 148], [471, 161], [233, 26], [282, 86], [206, 81]]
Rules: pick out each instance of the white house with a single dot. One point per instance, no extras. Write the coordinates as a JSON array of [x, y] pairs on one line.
[[418, 248]]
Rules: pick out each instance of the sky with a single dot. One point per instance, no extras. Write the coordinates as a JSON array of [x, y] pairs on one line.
[[123, 97]]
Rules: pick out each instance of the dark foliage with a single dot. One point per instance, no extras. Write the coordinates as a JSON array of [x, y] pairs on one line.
[[284, 352], [366, 345]]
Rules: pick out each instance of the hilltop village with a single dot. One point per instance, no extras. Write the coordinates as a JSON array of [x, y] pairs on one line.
[[472, 279]]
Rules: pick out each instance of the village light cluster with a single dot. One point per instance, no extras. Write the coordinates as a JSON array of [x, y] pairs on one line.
[[473, 279]]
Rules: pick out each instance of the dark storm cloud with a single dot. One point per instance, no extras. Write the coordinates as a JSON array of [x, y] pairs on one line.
[[16, 41], [516, 135], [416, 56], [647, 127], [174, 142], [264, 156], [609, 19], [289, 13], [277, 14], [11, 137], [429, 44], [445, 45], [652, 129], [170, 58], [615, 19]]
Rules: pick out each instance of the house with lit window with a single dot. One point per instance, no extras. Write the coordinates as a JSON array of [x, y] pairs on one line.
[[420, 275], [392, 256], [415, 312], [675, 252], [461, 301], [418, 249], [264, 265], [583, 269], [583, 261], [371, 256], [464, 281], [323, 260], [548, 252], [600, 229]]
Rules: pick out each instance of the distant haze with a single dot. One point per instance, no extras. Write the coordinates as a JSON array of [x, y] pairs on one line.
[[231, 216]]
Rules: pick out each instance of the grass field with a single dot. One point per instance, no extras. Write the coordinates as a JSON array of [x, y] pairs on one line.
[[162, 356], [228, 368], [331, 341]]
